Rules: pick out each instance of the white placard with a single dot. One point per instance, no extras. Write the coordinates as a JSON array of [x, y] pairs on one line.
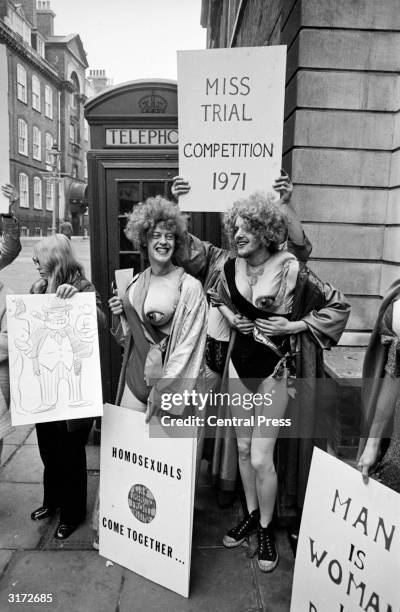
[[122, 279], [230, 104], [54, 358], [4, 128], [348, 555], [146, 499]]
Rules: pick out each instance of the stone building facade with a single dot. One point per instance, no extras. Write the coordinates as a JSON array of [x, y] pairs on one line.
[[341, 131], [47, 88]]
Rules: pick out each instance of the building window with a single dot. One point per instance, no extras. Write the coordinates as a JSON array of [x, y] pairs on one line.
[[49, 195], [37, 192], [37, 143], [35, 93], [38, 232], [23, 190], [86, 130], [41, 48], [74, 171], [49, 144], [72, 133], [48, 102], [22, 137], [24, 231], [21, 84]]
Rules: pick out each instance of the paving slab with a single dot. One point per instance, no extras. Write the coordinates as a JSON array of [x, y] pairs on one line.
[[82, 538], [19, 434], [220, 580], [17, 529], [276, 588], [5, 557], [32, 438], [25, 466], [8, 450], [211, 522], [78, 581]]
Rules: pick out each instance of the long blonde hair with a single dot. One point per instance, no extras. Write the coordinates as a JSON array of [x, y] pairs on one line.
[[58, 261]]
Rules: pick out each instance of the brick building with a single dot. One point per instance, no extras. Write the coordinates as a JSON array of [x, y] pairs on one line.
[[341, 131], [46, 92]]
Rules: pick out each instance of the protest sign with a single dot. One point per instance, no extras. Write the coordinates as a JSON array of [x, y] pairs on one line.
[[4, 128], [53, 357], [348, 555], [230, 104], [146, 499]]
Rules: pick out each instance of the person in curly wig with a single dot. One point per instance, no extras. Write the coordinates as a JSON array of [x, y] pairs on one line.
[[256, 295], [261, 217], [145, 217], [161, 320], [163, 310]]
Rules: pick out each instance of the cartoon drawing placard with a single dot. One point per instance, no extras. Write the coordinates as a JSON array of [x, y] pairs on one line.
[[54, 358], [348, 555], [146, 499]]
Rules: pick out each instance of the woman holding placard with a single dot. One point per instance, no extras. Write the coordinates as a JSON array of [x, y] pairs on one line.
[[380, 395], [62, 443]]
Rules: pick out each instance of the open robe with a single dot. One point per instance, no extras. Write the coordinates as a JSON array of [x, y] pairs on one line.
[[5, 420], [183, 360], [326, 312], [205, 261], [373, 373]]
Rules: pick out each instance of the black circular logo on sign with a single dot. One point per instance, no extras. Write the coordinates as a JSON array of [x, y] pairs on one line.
[[142, 503]]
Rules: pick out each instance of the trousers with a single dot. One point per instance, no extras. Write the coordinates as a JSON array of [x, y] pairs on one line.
[[64, 477]]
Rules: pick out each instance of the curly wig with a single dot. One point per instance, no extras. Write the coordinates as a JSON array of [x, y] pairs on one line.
[[261, 217], [147, 215]]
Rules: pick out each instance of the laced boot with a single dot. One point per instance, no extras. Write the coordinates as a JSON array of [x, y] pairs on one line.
[[247, 526], [267, 555]]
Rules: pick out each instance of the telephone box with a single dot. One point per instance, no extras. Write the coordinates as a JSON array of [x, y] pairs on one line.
[[133, 156]]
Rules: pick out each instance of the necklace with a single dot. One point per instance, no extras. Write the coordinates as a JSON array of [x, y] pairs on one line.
[[254, 272]]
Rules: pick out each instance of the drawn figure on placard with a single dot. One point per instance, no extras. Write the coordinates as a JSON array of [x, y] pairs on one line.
[[57, 350], [21, 341]]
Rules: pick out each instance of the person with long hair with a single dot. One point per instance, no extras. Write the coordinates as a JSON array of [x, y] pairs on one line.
[[379, 453], [62, 443]]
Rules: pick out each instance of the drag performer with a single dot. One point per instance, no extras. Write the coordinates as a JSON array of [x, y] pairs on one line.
[[62, 443], [164, 309], [205, 261], [161, 320], [380, 449]]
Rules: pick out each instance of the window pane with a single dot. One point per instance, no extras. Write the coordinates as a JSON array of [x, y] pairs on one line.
[[128, 195], [124, 243], [151, 189], [130, 260]]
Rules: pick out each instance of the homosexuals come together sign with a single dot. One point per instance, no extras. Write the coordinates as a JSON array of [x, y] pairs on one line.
[[146, 499], [348, 555]]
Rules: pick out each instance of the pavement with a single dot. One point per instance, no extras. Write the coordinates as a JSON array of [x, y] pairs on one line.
[[76, 577], [80, 580]]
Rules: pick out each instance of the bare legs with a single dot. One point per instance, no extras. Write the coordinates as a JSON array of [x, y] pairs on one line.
[[256, 450]]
